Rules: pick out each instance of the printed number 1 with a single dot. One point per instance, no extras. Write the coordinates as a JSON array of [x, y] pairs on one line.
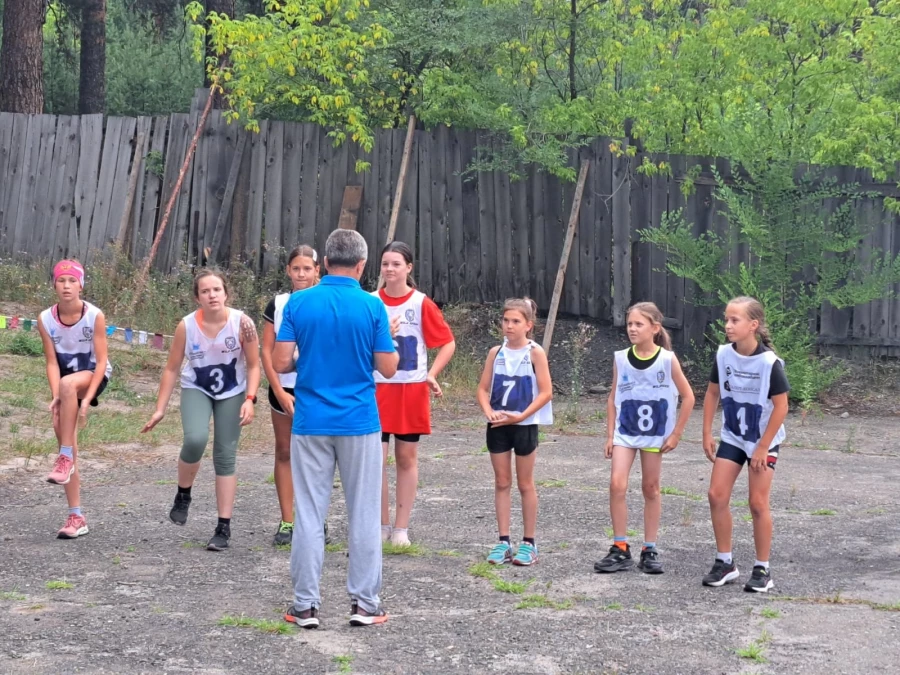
[[73, 364], [510, 385], [742, 421]]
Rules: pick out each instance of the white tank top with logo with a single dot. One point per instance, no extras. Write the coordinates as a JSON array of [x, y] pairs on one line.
[[215, 366], [409, 341], [645, 400], [514, 384], [287, 380], [74, 345], [744, 389]]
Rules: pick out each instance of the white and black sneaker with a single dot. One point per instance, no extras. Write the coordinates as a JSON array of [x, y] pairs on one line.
[[760, 580], [617, 560], [219, 541], [307, 618], [721, 573]]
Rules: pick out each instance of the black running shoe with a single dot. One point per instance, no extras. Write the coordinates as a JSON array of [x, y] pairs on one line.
[[219, 541], [308, 618], [649, 563], [327, 539], [179, 512], [721, 573], [284, 535], [616, 560], [760, 581], [360, 617]]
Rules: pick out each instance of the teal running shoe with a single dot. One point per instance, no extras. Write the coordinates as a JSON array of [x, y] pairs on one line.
[[500, 554], [526, 555]]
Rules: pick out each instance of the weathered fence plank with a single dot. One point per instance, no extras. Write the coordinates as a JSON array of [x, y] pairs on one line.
[[600, 179], [309, 185], [257, 194], [42, 206], [272, 197], [542, 278], [422, 270], [487, 226], [290, 185], [440, 208]]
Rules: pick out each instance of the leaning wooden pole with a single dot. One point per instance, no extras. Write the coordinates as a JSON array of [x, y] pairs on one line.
[[145, 272], [401, 183], [564, 260]]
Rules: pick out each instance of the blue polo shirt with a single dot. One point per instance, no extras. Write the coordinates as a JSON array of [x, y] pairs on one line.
[[338, 327]]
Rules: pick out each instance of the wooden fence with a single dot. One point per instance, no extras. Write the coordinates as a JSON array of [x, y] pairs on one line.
[[64, 184]]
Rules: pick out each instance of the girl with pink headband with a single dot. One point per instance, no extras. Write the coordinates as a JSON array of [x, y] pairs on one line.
[[74, 335]]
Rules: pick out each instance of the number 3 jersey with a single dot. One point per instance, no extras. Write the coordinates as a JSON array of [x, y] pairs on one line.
[[74, 344], [646, 401], [515, 386], [215, 366], [744, 387]]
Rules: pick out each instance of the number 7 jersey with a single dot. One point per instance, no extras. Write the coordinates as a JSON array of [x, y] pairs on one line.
[[646, 401], [514, 384], [215, 366]]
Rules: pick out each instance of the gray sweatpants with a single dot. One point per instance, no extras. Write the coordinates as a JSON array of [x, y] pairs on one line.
[[312, 465]]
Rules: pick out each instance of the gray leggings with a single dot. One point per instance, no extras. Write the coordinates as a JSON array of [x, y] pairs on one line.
[[196, 409]]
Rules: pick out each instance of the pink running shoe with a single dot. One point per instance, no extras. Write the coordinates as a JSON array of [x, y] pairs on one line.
[[75, 527], [62, 471]]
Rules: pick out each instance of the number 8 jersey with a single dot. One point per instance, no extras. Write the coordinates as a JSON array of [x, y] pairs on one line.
[[744, 387], [645, 400], [215, 366], [514, 385]]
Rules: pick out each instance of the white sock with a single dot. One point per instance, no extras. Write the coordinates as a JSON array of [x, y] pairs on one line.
[[760, 563], [385, 532], [724, 557]]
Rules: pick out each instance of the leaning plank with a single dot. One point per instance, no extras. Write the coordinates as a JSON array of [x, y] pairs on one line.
[[571, 297], [274, 169], [350, 207], [177, 143], [621, 227], [564, 258]]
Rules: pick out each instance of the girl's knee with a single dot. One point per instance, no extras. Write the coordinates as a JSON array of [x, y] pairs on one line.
[[618, 485], [67, 388], [718, 498], [502, 483], [526, 487], [759, 506], [193, 447], [406, 461], [650, 489], [283, 453]]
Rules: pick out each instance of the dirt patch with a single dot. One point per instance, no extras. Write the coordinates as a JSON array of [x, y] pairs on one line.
[[147, 598]]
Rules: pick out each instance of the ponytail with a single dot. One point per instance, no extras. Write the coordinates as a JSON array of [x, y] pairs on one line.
[[755, 312]]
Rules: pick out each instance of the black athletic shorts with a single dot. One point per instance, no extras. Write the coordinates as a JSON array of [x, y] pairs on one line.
[[100, 389], [273, 402], [521, 438], [406, 438], [737, 455]]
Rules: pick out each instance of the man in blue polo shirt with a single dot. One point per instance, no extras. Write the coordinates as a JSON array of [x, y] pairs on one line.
[[341, 333]]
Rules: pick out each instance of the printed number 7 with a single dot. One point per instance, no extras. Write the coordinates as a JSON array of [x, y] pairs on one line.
[[510, 385], [742, 421]]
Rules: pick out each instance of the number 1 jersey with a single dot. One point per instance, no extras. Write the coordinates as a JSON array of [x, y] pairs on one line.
[[215, 366], [646, 401], [74, 345], [744, 387]]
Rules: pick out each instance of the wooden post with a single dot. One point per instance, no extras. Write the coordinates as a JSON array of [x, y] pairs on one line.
[[132, 187], [401, 183], [213, 250], [145, 272], [564, 260], [350, 207]]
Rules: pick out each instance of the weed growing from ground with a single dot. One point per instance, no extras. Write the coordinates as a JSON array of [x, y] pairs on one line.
[[59, 585], [263, 625]]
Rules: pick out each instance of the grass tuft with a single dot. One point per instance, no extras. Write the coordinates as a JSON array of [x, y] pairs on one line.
[[551, 483], [770, 613], [755, 651], [414, 550], [13, 595], [514, 587], [59, 585], [483, 570], [343, 662], [543, 602], [263, 625], [336, 547], [823, 512]]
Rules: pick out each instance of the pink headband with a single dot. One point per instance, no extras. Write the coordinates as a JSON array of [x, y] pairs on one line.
[[69, 267]]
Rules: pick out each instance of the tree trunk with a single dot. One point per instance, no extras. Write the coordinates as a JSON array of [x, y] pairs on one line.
[[92, 86], [22, 57], [220, 7]]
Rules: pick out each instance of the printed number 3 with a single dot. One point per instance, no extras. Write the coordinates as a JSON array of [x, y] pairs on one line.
[[509, 385], [219, 376], [742, 421]]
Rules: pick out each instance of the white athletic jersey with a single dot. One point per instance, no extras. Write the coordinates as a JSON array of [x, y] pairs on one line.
[[287, 380], [74, 345], [646, 401], [746, 406], [514, 385], [409, 341], [214, 366]]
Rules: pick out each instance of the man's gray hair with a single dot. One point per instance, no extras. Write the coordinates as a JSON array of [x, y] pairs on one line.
[[345, 248]]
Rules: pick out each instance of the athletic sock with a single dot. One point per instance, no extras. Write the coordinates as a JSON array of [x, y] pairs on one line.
[[185, 492], [504, 538], [225, 521], [401, 530], [66, 450], [75, 511], [760, 563], [724, 557], [528, 540], [648, 544], [621, 542]]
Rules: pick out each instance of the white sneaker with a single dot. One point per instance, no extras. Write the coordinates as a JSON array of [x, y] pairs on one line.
[[400, 538]]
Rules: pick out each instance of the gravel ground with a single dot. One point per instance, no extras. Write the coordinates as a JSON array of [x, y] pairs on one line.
[[145, 598]]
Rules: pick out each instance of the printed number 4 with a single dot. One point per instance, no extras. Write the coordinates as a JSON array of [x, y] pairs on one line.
[[510, 385], [220, 380], [742, 421]]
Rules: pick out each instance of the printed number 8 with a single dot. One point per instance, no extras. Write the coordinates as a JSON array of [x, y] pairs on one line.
[[219, 383], [645, 418]]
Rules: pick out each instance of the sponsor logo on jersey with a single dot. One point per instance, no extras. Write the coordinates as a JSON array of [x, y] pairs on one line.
[[728, 371], [54, 338], [727, 385]]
